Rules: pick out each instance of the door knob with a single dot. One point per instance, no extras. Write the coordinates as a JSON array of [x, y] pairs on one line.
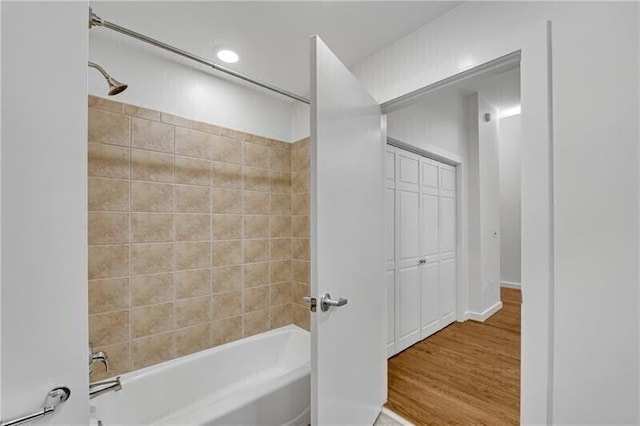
[[422, 261], [327, 302]]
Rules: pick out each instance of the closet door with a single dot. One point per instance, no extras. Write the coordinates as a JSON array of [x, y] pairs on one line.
[[430, 239], [447, 241], [407, 292], [390, 242]]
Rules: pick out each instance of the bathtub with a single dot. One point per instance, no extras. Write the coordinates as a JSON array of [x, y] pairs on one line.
[[260, 380]]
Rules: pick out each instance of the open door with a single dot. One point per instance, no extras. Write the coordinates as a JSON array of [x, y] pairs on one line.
[[348, 362]]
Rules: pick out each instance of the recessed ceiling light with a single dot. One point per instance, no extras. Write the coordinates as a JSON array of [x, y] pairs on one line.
[[228, 56]]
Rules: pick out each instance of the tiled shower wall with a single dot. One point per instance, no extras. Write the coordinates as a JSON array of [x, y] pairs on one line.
[[192, 240]]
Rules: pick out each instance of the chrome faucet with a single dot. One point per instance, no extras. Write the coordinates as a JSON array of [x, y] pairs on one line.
[[99, 356], [98, 388]]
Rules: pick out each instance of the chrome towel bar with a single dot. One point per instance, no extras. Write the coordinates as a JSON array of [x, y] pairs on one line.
[[55, 398]]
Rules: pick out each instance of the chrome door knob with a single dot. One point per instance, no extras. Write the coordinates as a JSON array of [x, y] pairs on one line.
[[327, 302]]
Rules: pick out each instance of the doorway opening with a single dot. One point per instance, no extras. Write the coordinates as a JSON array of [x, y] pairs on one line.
[[463, 369]]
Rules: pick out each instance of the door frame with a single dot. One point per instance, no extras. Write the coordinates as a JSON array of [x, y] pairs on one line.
[[538, 239]]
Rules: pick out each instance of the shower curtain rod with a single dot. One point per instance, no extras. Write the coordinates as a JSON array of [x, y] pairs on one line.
[[95, 20]]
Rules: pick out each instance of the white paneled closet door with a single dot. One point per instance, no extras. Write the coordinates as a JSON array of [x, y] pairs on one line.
[[390, 241], [421, 247], [407, 292]]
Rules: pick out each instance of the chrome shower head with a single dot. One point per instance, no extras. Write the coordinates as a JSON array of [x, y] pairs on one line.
[[115, 86]]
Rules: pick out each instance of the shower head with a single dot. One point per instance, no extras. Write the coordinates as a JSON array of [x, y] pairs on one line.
[[115, 86]]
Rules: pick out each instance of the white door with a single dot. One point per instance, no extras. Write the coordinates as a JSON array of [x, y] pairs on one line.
[[348, 362], [407, 293], [447, 243]]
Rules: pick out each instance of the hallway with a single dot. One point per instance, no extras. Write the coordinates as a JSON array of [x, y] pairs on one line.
[[468, 373]]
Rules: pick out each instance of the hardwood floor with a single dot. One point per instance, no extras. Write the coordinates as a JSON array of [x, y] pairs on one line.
[[467, 373]]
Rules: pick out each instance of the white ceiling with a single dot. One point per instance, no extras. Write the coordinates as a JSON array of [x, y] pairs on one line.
[[271, 37]]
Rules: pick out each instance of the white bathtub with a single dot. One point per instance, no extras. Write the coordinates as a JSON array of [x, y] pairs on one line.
[[260, 380]]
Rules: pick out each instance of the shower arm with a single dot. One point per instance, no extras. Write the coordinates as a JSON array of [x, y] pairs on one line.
[[100, 69], [96, 21]]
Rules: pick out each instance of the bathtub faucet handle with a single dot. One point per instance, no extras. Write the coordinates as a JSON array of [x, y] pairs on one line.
[[99, 356]]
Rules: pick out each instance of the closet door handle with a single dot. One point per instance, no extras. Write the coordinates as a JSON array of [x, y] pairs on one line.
[[422, 261]]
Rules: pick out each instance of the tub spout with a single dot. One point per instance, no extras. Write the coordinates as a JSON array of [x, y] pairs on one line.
[[98, 388]]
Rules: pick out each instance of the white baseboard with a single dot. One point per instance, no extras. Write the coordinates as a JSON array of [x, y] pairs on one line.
[[483, 316], [395, 416], [509, 284]]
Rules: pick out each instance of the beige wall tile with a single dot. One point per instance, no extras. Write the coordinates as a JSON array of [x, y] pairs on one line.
[[301, 316], [280, 248], [281, 315], [151, 197], [108, 261], [226, 175], [256, 274], [192, 171], [299, 158], [193, 227], [280, 226], [256, 298], [300, 181], [192, 199], [151, 227], [109, 328], [227, 227], [151, 166], [226, 305], [300, 248], [256, 203], [206, 127], [256, 322], [227, 278], [256, 155], [227, 253], [226, 201], [281, 293], [274, 143], [280, 159], [141, 112], [300, 204], [105, 104], [176, 120], [108, 161], [256, 226], [107, 127], [234, 134], [118, 361], [152, 135], [300, 291], [281, 271], [151, 289], [152, 350], [154, 319], [193, 283], [301, 271], [108, 228], [280, 181], [226, 149], [193, 339], [193, 143], [108, 195], [280, 204], [260, 140], [255, 179], [108, 295], [256, 251], [193, 311], [300, 226], [193, 255], [150, 258], [226, 330]]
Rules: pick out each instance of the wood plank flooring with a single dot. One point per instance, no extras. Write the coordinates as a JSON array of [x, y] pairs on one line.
[[467, 373]]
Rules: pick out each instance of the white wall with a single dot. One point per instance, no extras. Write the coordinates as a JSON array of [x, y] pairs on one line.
[[44, 237], [595, 57], [300, 121], [162, 82], [509, 138]]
